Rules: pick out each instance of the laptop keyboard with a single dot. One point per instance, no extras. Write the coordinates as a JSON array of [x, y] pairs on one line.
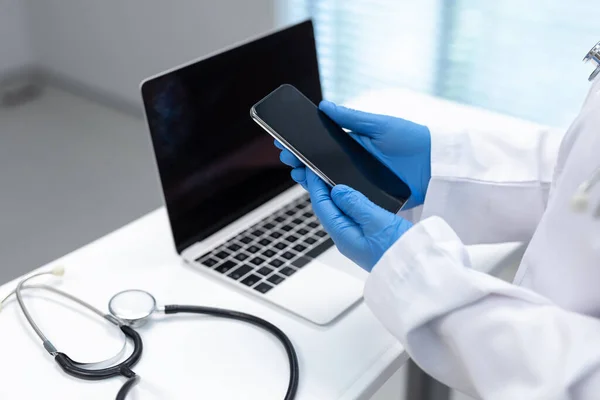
[[273, 250]]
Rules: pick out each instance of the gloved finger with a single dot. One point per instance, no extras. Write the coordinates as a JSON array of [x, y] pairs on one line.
[[299, 175], [332, 219], [357, 206], [278, 145], [359, 122], [288, 158]]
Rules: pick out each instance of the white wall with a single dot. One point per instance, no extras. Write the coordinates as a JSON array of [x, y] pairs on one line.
[[112, 45], [15, 46]]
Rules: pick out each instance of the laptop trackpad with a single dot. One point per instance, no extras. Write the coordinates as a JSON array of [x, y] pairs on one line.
[[318, 292]]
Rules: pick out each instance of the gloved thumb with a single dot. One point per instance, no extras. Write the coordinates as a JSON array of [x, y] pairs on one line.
[[359, 122], [357, 206]]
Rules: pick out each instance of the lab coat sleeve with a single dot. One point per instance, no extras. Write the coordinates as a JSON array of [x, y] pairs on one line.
[[476, 333], [491, 186]]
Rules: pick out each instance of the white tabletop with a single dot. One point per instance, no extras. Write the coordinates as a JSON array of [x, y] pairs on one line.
[[195, 357], [201, 357]]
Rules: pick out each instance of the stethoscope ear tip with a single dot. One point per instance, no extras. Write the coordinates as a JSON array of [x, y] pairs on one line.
[[579, 202], [59, 270]]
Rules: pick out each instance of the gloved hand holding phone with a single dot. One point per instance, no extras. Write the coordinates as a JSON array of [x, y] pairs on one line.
[[361, 230], [404, 146]]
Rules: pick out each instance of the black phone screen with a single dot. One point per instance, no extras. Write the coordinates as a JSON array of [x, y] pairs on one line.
[[323, 144]]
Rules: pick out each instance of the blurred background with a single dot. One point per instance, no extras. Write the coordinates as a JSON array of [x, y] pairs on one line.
[[75, 157], [515, 57]]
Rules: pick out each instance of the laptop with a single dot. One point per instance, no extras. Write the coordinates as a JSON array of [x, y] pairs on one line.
[[234, 211]]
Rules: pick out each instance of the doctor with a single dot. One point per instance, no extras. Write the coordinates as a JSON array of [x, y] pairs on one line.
[[538, 338]]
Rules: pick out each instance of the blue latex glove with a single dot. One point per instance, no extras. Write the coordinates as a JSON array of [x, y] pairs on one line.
[[361, 230], [405, 147]]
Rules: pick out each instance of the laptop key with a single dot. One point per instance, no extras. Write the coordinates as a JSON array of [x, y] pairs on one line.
[[276, 262], [222, 254], [313, 224], [263, 287], [226, 266], [269, 226], [290, 212], [301, 261], [264, 271], [310, 240], [264, 242], [321, 248], [234, 247], [302, 231], [241, 271], [246, 239], [257, 260], [292, 238], [251, 280], [280, 219], [287, 228], [268, 253], [287, 271], [241, 256], [276, 235], [209, 262], [308, 214], [258, 232], [287, 255], [299, 248], [252, 249], [321, 233], [297, 221], [281, 246], [276, 279]]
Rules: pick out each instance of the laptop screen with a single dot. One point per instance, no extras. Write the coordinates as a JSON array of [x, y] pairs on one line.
[[215, 163]]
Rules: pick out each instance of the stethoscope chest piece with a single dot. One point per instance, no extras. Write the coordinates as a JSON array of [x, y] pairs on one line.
[[594, 56], [132, 307]]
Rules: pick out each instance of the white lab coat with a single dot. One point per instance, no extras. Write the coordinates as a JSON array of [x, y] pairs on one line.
[[538, 338]]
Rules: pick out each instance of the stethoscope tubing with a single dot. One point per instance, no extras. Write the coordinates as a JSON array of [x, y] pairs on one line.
[[72, 367], [259, 322]]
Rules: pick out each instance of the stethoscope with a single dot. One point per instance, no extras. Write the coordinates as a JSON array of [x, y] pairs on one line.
[[581, 197], [594, 56], [128, 310]]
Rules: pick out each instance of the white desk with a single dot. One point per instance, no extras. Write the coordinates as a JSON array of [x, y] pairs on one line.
[[201, 357], [195, 357]]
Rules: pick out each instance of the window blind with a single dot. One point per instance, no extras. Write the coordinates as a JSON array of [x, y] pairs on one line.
[[519, 58], [371, 44]]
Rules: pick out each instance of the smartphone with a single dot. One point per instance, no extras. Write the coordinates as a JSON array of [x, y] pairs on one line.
[[325, 148]]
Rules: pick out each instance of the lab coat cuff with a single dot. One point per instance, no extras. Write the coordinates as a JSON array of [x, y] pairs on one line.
[[418, 278]]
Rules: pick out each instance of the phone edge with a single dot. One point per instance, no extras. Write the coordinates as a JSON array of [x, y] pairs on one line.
[[284, 143]]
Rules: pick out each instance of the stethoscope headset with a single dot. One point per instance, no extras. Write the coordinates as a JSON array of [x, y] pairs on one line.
[[581, 197]]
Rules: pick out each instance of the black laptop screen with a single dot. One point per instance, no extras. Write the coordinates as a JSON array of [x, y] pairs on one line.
[[215, 163]]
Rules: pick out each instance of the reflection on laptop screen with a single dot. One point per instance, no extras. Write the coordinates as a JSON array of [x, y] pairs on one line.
[[215, 163]]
